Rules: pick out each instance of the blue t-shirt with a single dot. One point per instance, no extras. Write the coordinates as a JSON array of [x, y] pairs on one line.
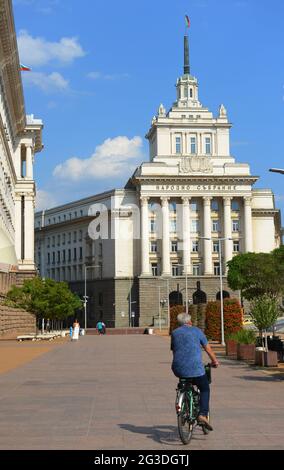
[[186, 347]]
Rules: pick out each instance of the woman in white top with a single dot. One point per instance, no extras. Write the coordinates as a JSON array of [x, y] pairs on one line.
[[76, 329]]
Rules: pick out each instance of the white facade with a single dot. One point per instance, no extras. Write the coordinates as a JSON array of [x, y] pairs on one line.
[[20, 139], [176, 207]]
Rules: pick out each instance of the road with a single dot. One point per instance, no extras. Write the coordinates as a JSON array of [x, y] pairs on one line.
[[118, 392]]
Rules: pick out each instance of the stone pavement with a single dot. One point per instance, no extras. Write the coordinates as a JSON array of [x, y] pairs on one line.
[[118, 392]]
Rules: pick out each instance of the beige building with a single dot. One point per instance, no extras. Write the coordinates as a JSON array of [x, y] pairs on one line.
[[159, 237], [20, 140]]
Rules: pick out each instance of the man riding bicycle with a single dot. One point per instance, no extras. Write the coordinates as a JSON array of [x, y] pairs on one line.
[[187, 361]]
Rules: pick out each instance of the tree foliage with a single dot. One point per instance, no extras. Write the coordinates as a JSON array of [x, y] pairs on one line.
[[264, 312], [45, 298], [257, 274]]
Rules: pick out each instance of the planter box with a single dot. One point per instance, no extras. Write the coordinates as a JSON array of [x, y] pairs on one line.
[[246, 352], [231, 347], [266, 359]]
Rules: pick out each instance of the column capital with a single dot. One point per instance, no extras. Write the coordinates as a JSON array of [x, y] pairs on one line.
[[186, 200], [207, 200], [227, 200], [248, 200], [165, 200], [144, 200]]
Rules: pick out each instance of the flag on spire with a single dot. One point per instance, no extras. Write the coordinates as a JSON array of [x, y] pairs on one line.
[[187, 21], [24, 68]]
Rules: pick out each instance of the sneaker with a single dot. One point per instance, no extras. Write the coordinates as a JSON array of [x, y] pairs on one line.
[[203, 421]]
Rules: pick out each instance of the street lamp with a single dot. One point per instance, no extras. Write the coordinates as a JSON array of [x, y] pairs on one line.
[[85, 296], [221, 283], [277, 170]]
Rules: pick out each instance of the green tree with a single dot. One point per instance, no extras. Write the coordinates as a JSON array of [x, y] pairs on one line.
[[45, 298], [264, 313], [257, 274]]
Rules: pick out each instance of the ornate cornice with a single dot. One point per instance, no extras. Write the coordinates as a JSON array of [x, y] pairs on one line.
[[10, 67], [186, 179]]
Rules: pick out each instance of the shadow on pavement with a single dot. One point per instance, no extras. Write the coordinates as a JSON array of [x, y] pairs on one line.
[[269, 378], [161, 434]]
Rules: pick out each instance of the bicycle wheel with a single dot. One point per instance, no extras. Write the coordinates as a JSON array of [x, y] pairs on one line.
[[185, 424]]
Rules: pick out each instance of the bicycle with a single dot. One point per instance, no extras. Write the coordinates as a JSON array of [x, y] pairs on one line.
[[187, 407]]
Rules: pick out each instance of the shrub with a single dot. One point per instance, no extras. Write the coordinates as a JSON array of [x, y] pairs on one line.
[[174, 311], [244, 336], [232, 318]]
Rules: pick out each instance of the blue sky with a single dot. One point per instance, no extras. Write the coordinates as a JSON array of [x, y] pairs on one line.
[[101, 69]]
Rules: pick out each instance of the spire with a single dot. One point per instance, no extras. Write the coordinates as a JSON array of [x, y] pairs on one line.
[[186, 56]]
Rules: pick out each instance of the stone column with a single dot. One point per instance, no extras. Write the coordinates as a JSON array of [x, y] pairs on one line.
[[228, 244], [29, 162], [29, 230], [208, 265], [166, 266], [145, 261], [186, 235], [248, 224], [18, 226]]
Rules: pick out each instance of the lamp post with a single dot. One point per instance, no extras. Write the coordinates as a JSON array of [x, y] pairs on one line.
[[221, 283], [85, 296]]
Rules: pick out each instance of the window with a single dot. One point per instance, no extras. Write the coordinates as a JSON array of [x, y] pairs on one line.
[[153, 247], [58, 257], [194, 206], [69, 237], [216, 269], [178, 144], [173, 207], [215, 247], [186, 92], [175, 270], [183, 116], [194, 225], [195, 246], [236, 225], [81, 252], [48, 221], [236, 246], [63, 238], [196, 269], [75, 254], [80, 235], [215, 225], [53, 257], [59, 219], [48, 242], [48, 258], [58, 239], [208, 146], [152, 225], [193, 145], [70, 216], [235, 205], [69, 255], [53, 241], [173, 226], [81, 213], [63, 256], [191, 93], [74, 237], [64, 216], [154, 268], [100, 249], [214, 205], [174, 246], [54, 220]]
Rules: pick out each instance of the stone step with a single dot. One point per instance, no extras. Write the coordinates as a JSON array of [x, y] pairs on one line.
[[119, 331]]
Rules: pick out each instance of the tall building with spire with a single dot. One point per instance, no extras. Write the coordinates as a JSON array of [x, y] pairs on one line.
[[168, 224]]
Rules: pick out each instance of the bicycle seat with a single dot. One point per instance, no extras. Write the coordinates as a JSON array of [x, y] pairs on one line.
[[185, 383]]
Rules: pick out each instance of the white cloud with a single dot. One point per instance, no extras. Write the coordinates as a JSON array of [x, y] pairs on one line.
[[44, 200], [114, 157], [114, 76], [49, 83], [38, 51]]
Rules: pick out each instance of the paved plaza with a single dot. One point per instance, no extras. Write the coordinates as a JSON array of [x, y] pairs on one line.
[[118, 392]]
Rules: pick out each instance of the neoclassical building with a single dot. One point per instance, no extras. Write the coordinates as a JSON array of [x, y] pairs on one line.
[[20, 140], [159, 237]]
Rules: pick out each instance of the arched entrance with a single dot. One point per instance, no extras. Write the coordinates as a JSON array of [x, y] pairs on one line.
[[226, 295], [199, 296], [175, 298]]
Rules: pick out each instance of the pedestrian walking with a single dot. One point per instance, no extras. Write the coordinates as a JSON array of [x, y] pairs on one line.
[[76, 329]]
